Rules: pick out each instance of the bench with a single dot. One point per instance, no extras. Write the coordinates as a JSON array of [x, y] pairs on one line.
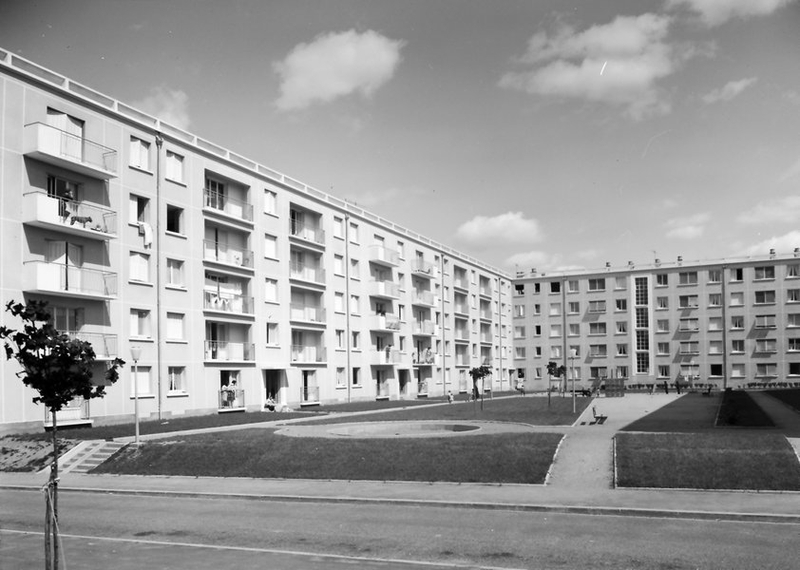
[[598, 418], [583, 392]]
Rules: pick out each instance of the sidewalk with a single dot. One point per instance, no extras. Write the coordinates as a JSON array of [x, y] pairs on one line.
[[580, 482]]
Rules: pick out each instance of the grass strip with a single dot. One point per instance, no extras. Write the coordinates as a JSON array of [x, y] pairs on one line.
[[720, 460], [494, 458], [789, 397], [738, 409]]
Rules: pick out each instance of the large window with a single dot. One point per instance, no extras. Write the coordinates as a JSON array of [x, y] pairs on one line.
[[177, 379], [597, 306], [175, 272], [139, 266], [687, 301], [766, 272], [139, 154], [597, 284], [765, 297], [765, 321], [597, 328], [139, 323], [687, 278], [175, 328], [174, 167]]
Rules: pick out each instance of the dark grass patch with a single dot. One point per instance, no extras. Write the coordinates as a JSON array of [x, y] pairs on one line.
[[789, 397], [719, 460], [520, 409], [689, 413], [494, 458], [738, 409]]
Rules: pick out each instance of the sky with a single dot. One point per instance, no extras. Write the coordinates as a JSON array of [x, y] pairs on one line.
[[548, 134]]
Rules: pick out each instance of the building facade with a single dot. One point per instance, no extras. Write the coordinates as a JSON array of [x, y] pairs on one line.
[[731, 323], [236, 283]]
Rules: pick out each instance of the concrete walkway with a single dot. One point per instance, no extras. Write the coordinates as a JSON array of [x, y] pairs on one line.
[[580, 481]]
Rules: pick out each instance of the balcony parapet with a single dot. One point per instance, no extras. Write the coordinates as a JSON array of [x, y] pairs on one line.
[[238, 304], [306, 232], [308, 354], [384, 256], [69, 281], [387, 322], [421, 268], [386, 356], [424, 328], [104, 345], [227, 254], [307, 313], [232, 207], [227, 351], [70, 151], [384, 289], [305, 272], [69, 216]]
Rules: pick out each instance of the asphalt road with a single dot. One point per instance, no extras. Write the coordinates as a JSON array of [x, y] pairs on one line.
[[131, 532]]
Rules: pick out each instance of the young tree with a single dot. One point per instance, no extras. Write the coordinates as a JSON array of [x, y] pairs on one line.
[[477, 374], [554, 369], [59, 369]]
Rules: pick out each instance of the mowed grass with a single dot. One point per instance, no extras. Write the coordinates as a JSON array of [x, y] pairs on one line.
[[691, 413], [789, 397], [495, 458], [720, 460]]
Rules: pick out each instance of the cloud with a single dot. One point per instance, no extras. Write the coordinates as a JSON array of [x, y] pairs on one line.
[[334, 65], [619, 63], [508, 228], [169, 105], [781, 244], [728, 91], [538, 260], [689, 227], [382, 196], [790, 172], [716, 12], [784, 210]]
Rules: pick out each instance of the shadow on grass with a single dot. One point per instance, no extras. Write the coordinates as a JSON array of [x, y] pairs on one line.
[[690, 413]]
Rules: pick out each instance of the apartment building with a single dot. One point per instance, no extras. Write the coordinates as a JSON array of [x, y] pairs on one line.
[[730, 323], [230, 282]]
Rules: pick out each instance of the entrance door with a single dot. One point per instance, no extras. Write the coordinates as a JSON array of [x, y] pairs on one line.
[[403, 380], [272, 385]]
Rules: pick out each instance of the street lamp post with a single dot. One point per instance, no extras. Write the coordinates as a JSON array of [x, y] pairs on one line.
[[136, 353], [572, 355]]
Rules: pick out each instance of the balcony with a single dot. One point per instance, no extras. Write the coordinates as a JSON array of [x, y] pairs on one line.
[[385, 357], [231, 399], [485, 291], [225, 303], [227, 351], [420, 268], [424, 358], [307, 313], [425, 299], [461, 309], [424, 328], [228, 254], [387, 322], [305, 272], [384, 290], [461, 334], [68, 216], [485, 315], [76, 412], [68, 281], [461, 283], [306, 232], [384, 256], [104, 345], [224, 204], [66, 150], [308, 354], [462, 360]]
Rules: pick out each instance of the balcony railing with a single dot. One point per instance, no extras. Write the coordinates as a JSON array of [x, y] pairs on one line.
[[386, 356], [306, 232], [460, 283], [231, 399], [425, 357], [68, 280], [462, 360], [227, 303], [485, 315], [104, 345], [232, 207], [485, 291], [424, 328], [307, 313], [69, 216], [308, 353], [426, 298], [75, 412], [226, 253], [227, 351], [384, 256], [305, 272], [387, 322], [384, 289], [461, 334], [54, 146], [422, 268], [461, 309], [310, 394]]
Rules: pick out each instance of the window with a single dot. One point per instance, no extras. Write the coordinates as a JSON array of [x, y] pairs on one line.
[[598, 351], [401, 312], [574, 307], [555, 352], [270, 290], [689, 325], [272, 334], [597, 284], [401, 250], [714, 276], [765, 321], [793, 271], [737, 299], [355, 304], [338, 227], [356, 376], [340, 338], [715, 347], [662, 280], [355, 340], [687, 278], [175, 272], [574, 329], [270, 246], [620, 283], [662, 349], [793, 320], [663, 370], [715, 323], [338, 264], [555, 309], [622, 350], [142, 382], [737, 346], [139, 154], [766, 370], [574, 351], [597, 306], [715, 299], [140, 323], [519, 332], [555, 286], [139, 266], [537, 350], [537, 309], [794, 345], [597, 328], [715, 370], [737, 274], [662, 325], [572, 286], [519, 352], [688, 302], [519, 288], [355, 269], [270, 202], [555, 331], [139, 210], [174, 219], [621, 305], [662, 303], [766, 345], [766, 272], [519, 310], [176, 378], [598, 372], [175, 330], [341, 377], [353, 232], [622, 327], [792, 296], [174, 167], [737, 370], [766, 297], [338, 302], [690, 347]]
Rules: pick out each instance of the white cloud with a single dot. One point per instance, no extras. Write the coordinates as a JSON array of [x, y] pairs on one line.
[[715, 12], [169, 105], [508, 228], [784, 210], [539, 260], [781, 244], [689, 227], [728, 91], [335, 65], [619, 63]]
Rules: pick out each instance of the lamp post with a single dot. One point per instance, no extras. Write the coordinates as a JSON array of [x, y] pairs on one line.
[[136, 353], [572, 355]]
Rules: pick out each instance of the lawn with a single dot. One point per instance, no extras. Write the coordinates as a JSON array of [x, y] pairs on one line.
[[738, 409], [789, 397], [720, 460], [496, 458], [688, 414]]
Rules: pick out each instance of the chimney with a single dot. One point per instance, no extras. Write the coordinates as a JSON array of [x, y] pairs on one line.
[[680, 259], [772, 253]]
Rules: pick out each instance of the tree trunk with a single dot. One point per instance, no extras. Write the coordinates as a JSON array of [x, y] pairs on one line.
[[48, 516], [54, 491]]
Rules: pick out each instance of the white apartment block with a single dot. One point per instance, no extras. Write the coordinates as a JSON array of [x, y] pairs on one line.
[[729, 323], [236, 282]]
